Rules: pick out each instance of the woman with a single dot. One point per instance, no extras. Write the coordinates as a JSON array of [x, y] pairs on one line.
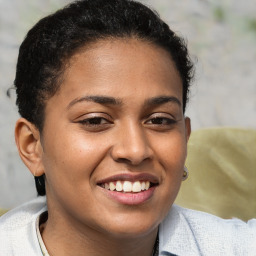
[[102, 88]]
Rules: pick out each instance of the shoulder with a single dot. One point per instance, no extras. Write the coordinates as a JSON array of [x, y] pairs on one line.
[[22, 215], [18, 227], [205, 233], [202, 220]]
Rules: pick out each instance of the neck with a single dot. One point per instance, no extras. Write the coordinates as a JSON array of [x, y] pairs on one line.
[[80, 240]]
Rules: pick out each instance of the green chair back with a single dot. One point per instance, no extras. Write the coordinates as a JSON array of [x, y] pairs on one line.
[[222, 173], [2, 211]]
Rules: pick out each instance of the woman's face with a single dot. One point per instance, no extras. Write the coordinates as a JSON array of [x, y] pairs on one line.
[[115, 126]]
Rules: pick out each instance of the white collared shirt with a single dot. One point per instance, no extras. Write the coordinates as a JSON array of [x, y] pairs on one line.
[[187, 232], [183, 233]]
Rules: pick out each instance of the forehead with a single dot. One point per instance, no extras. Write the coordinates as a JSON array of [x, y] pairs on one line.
[[126, 67]]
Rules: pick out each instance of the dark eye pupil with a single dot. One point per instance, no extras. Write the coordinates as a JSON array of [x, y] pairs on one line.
[[157, 120], [96, 120]]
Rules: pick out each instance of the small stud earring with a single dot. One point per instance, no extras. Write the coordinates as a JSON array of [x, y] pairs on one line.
[[185, 173]]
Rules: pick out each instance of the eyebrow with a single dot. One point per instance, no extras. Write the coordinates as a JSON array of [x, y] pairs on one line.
[[162, 100], [105, 100]]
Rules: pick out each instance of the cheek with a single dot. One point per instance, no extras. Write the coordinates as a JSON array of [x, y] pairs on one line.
[[172, 151], [172, 155], [70, 157], [69, 167]]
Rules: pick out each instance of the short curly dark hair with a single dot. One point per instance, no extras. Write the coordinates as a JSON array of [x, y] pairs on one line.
[[56, 38]]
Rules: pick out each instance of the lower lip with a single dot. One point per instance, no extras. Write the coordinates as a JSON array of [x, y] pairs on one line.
[[130, 198]]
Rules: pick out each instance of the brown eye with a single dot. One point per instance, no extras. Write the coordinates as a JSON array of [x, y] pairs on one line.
[[94, 121], [161, 121], [95, 124]]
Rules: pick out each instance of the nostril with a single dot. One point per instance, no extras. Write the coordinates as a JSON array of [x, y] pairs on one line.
[[123, 160], [131, 161]]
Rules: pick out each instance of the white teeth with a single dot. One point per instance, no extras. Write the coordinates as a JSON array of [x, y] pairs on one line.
[[112, 186], [119, 186], [106, 186], [136, 186], [127, 186], [147, 185]]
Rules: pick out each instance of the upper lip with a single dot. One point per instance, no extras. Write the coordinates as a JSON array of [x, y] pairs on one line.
[[130, 177]]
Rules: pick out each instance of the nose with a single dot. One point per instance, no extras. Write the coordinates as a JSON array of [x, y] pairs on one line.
[[131, 145]]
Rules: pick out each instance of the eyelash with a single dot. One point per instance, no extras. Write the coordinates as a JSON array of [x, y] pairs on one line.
[[99, 123], [94, 121], [168, 121]]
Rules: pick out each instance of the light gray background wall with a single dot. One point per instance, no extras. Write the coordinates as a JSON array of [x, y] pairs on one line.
[[221, 35]]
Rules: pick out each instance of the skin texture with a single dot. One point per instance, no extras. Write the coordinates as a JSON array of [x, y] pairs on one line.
[[132, 130]]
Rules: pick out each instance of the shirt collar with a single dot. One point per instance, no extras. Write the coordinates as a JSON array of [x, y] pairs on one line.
[[39, 237], [176, 236]]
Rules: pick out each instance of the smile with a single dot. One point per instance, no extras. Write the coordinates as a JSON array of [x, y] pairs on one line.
[[127, 186]]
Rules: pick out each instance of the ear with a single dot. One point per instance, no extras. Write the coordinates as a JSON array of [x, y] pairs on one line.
[[187, 127], [28, 142]]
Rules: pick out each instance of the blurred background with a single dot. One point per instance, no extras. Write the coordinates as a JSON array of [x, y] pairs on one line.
[[221, 36]]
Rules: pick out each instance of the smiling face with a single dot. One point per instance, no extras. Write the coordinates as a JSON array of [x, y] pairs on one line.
[[114, 139]]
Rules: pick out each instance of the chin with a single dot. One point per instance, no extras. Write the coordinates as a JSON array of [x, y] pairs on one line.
[[132, 226]]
